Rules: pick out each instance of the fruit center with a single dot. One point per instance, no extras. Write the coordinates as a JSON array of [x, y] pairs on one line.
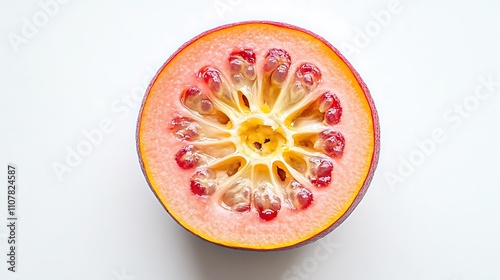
[[261, 138]]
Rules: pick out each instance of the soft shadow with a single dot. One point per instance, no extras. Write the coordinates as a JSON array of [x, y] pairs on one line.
[[215, 262]]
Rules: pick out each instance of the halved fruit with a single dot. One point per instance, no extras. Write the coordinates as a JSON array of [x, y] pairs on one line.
[[258, 135]]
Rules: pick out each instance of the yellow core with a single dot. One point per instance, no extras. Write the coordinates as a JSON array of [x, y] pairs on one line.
[[261, 139]]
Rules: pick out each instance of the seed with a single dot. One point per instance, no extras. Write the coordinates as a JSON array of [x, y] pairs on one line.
[[329, 104], [320, 171], [299, 196], [203, 182], [246, 54], [328, 100], [241, 65], [308, 80], [332, 142], [206, 107], [235, 65], [267, 203], [304, 198], [197, 188], [192, 92], [277, 60], [211, 77], [332, 116], [194, 99], [191, 97], [185, 128], [309, 76], [309, 69], [280, 54], [187, 157]]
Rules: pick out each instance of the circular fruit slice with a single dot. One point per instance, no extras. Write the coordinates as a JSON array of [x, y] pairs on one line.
[[258, 135]]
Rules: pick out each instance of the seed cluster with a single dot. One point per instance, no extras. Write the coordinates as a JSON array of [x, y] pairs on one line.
[[259, 137]]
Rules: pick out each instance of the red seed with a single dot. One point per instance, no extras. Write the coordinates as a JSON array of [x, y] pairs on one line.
[[266, 202], [238, 196], [250, 71], [321, 171], [276, 58], [192, 92], [308, 73], [280, 54], [187, 157], [241, 65], [185, 128], [211, 77], [267, 214], [247, 54], [279, 75], [203, 183], [329, 103], [329, 100], [196, 188], [192, 97], [235, 65], [304, 198], [271, 64], [332, 116], [300, 197], [243, 208], [332, 142]]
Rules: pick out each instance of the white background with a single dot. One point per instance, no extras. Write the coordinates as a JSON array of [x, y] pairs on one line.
[[89, 61]]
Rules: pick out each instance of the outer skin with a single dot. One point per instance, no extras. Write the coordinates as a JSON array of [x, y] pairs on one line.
[[375, 119]]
